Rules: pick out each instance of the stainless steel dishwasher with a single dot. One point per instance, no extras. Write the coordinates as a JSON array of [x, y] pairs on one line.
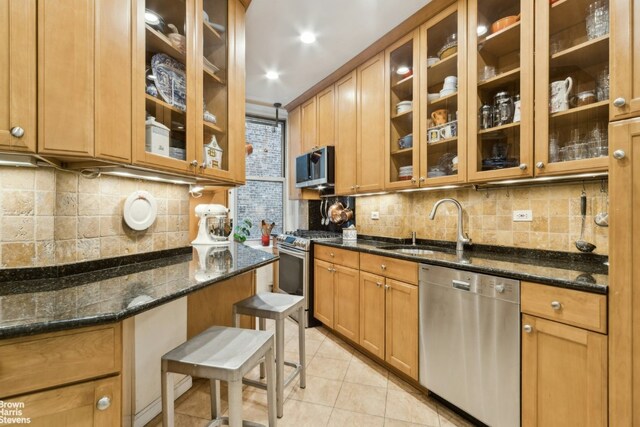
[[470, 342]]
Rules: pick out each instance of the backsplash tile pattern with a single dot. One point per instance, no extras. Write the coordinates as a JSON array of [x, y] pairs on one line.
[[51, 217], [488, 216]]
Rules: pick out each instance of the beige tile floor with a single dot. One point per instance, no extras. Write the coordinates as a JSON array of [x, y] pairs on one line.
[[344, 388]]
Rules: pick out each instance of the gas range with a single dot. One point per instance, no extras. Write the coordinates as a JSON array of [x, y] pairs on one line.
[[301, 239]]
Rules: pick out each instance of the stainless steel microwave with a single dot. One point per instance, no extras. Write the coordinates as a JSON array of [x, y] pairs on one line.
[[316, 168]]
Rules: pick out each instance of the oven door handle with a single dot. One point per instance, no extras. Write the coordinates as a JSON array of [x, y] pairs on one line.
[[293, 252]]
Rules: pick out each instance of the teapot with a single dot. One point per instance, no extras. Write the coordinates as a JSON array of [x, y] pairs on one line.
[[559, 95]]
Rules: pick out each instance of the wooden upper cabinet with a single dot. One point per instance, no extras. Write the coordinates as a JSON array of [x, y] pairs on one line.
[[326, 117], [309, 125], [294, 149], [402, 112], [443, 148], [500, 66], [18, 77], [571, 131], [564, 375], [346, 134], [84, 79], [371, 125], [625, 59]]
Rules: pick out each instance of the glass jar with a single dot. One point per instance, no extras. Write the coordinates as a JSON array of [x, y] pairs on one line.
[[503, 108]]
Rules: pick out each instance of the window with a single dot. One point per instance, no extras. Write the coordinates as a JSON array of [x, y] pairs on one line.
[[262, 197]]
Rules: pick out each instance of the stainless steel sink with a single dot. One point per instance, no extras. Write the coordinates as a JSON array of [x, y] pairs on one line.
[[410, 249]]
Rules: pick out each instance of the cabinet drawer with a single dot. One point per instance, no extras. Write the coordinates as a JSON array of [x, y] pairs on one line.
[[48, 360], [576, 308], [337, 256], [405, 271]]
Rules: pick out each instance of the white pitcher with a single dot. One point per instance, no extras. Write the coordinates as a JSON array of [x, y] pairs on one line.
[[559, 96]]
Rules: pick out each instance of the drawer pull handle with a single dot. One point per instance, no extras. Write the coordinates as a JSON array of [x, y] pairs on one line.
[[387, 287], [382, 266], [378, 284], [527, 328], [103, 403], [556, 305]]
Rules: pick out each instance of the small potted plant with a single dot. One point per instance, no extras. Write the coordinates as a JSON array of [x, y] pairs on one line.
[[242, 231]]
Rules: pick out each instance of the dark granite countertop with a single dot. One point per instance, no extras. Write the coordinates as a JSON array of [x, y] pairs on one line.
[[118, 289], [575, 271]]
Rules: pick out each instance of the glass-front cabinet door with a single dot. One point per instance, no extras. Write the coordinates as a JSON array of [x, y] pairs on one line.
[[166, 76], [402, 88], [501, 83], [572, 86], [212, 137], [443, 117]]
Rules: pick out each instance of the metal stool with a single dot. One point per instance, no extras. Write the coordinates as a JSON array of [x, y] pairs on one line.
[[276, 306], [220, 354]]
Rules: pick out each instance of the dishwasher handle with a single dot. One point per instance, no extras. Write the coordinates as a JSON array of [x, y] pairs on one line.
[[459, 284]]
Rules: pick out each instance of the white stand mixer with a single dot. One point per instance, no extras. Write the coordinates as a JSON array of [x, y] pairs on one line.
[[214, 225]]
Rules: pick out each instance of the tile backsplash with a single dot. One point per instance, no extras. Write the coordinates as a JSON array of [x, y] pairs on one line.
[[488, 216], [51, 217]]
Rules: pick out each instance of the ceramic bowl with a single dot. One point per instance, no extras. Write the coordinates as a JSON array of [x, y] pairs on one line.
[[433, 97], [503, 23], [432, 60]]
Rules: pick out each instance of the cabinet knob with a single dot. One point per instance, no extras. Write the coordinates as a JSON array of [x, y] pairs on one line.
[[331, 254], [378, 284], [413, 180], [383, 267], [329, 269], [619, 102], [357, 186], [619, 154], [540, 165], [386, 287], [353, 187], [556, 305], [103, 403], [500, 288], [527, 328], [194, 163], [422, 179], [17, 132], [203, 165], [523, 166]]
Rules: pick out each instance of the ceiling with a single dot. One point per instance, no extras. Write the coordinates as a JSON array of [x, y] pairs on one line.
[[343, 29]]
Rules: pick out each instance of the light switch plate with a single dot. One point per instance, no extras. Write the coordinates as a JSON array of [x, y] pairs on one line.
[[522, 216], [375, 215]]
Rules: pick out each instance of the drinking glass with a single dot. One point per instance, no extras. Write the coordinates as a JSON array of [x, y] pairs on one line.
[[554, 151], [602, 84], [597, 20]]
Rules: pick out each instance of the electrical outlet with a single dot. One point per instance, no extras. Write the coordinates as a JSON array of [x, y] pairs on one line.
[[375, 215], [522, 216]]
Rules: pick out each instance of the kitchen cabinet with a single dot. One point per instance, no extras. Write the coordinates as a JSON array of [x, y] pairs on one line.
[[572, 88], [564, 375], [500, 67], [18, 77], [402, 84], [294, 149], [625, 54], [443, 94], [370, 125], [326, 117], [84, 79], [337, 291], [346, 163], [624, 274], [389, 321], [93, 403], [309, 125], [323, 292], [207, 97]]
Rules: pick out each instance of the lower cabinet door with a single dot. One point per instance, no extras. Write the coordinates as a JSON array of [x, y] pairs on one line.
[[92, 403], [372, 313], [323, 292], [564, 375], [346, 303], [402, 327]]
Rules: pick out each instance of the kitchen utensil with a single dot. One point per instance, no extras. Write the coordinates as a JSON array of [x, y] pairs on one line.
[[486, 116], [602, 218], [406, 141], [448, 50], [346, 215], [516, 108], [581, 244], [602, 84], [450, 82], [404, 106], [447, 92], [322, 211], [334, 213], [584, 98], [440, 116], [140, 210], [502, 108], [503, 23], [559, 95], [488, 72], [597, 20], [432, 96], [432, 60]]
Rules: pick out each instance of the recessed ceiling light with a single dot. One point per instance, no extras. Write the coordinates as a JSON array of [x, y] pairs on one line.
[[482, 30], [272, 75], [402, 70], [307, 37]]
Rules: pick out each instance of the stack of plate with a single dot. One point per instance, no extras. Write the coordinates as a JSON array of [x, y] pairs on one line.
[[405, 173]]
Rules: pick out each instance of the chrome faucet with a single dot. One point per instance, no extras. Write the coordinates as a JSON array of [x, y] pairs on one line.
[[462, 236]]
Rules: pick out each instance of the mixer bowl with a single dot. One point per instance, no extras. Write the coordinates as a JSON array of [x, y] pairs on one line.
[[219, 227]]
